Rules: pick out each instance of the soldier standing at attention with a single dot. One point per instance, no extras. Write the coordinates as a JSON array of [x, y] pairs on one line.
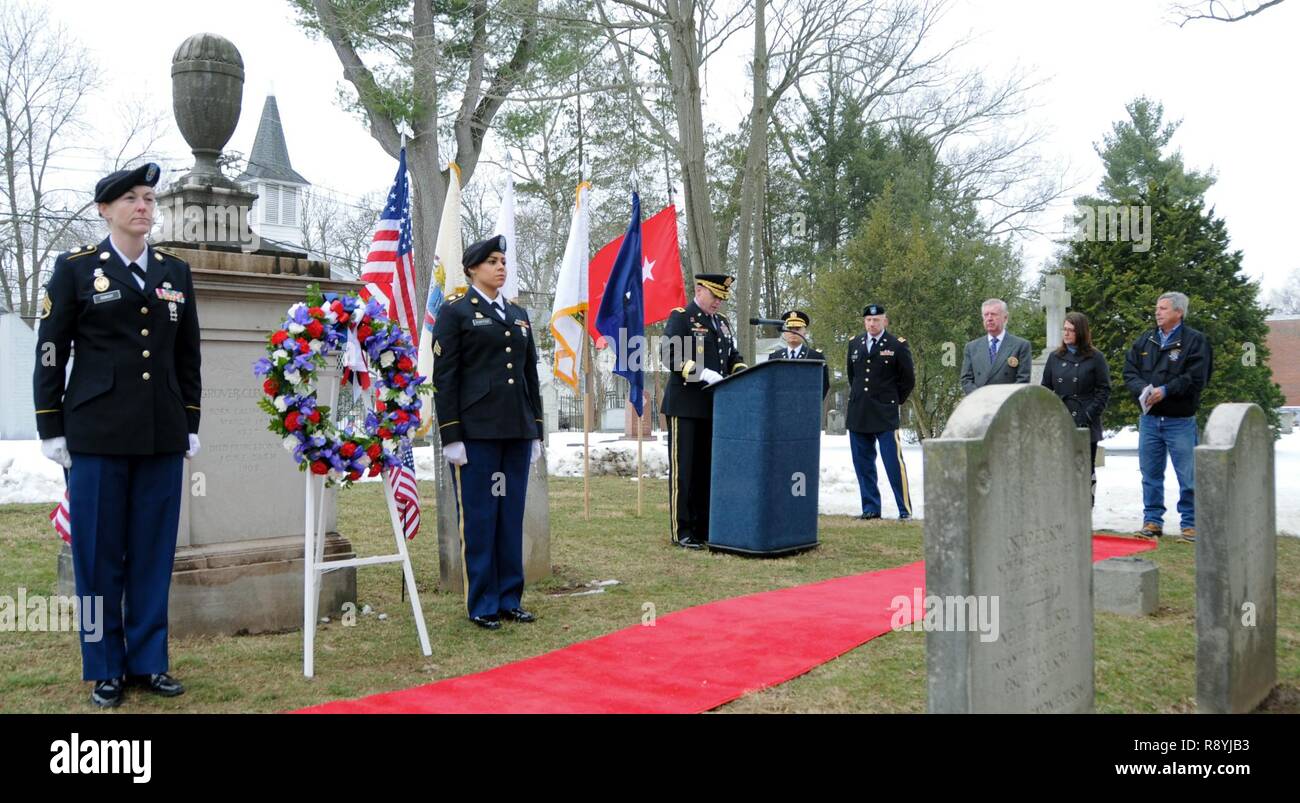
[[796, 346], [698, 350], [881, 377], [489, 406], [120, 425]]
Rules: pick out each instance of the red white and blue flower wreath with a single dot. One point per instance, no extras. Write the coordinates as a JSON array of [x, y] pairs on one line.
[[370, 341]]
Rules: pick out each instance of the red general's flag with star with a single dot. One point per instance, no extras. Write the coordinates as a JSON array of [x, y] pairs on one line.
[[661, 271]]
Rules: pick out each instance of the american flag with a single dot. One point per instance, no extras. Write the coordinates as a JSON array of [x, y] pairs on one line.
[[59, 518], [401, 482], [389, 273]]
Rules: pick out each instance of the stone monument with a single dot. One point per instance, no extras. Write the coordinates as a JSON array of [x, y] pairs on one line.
[[240, 542], [1056, 301], [1007, 528], [1236, 562]]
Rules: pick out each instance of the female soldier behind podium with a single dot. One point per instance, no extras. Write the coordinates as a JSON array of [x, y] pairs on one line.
[[489, 406], [119, 425], [1079, 375]]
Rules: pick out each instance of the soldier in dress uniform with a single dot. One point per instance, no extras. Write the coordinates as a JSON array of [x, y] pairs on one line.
[[489, 406], [797, 345], [698, 350], [120, 424], [881, 377]]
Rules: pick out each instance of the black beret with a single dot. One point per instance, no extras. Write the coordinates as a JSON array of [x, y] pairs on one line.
[[796, 318], [115, 185], [872, 309], [481, 250]]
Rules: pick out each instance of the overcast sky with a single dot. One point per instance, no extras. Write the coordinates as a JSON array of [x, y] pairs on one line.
[[1229, 83]]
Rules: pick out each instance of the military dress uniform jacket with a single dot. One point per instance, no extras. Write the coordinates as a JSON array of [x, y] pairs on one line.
[[880, 382], [1183, 367], [691, 344], [1083, 383], [485, 372], [135, 387], [805, 353]]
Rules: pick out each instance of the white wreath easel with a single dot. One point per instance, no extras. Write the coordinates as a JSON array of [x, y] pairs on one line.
[[315, 566]]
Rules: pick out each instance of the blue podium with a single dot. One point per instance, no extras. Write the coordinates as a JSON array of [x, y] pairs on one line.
[[766, 459]]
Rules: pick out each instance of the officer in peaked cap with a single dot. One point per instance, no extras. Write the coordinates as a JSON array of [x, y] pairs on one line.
[[120, 424], [881, 377], [698, 350], [797, 346], [489, 404]]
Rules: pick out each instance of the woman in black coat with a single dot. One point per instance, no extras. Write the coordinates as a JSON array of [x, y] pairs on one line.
[[1078, 374]]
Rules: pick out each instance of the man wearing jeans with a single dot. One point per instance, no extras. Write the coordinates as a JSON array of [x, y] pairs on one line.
[[1166, 370]]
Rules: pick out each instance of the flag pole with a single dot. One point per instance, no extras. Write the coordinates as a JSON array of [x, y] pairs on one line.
[[640, 447], [586, 423]]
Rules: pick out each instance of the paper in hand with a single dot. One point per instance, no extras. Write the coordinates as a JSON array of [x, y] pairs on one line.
[[1143, 397]]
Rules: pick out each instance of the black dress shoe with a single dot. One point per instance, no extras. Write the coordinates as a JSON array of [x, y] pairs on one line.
[[486, 622], [107, 693], [686, 542], [161, 684], [519, 615], [869, 516]]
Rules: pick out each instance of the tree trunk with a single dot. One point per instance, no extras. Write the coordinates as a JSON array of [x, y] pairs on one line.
[[685, 57]]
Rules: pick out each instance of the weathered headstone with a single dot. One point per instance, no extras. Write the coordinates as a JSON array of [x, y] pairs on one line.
[[1236, 562], [1007, 527], [1127, 586]]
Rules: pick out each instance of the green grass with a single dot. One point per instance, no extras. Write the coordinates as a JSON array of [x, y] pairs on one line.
[[1142, 665]]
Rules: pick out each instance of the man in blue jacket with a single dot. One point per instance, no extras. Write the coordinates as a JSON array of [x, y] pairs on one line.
[[1166, 370]]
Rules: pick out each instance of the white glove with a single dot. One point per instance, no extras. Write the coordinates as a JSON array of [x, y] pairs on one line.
[[537, 452], [710, 376], [455, 453], [56, 449], [194, 446]]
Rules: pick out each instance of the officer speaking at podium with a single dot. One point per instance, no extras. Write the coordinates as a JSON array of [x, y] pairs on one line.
[[698, 350], [120, 424]]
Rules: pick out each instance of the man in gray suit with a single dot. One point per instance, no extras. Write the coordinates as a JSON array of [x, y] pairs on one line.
[[998, 358]]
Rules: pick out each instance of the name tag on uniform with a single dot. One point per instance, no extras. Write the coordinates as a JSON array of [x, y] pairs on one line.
[[482, 322], [100, 298], [174, 296]]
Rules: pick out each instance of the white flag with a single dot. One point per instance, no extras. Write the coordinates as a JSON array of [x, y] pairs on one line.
[[571, 294], [506, 226]]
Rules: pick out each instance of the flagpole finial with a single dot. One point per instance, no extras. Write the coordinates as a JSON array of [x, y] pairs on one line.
[[403, 139]]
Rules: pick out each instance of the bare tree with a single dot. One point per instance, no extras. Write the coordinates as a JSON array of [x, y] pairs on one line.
[[337, 231], [42, 93], [1286, 299], [401, 67], [1220, 11]]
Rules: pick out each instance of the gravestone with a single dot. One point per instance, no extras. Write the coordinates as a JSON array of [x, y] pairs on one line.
[[1236, 562], [1007, 524], [1055, 301], [1127, 586]]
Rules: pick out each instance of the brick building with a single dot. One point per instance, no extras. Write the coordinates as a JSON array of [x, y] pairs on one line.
[[1284, 351]]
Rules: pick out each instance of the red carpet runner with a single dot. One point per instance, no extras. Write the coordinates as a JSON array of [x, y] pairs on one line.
[[691, 660]]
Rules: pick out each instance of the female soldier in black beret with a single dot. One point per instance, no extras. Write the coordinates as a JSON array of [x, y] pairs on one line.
[[120, 425], [489, 407]]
